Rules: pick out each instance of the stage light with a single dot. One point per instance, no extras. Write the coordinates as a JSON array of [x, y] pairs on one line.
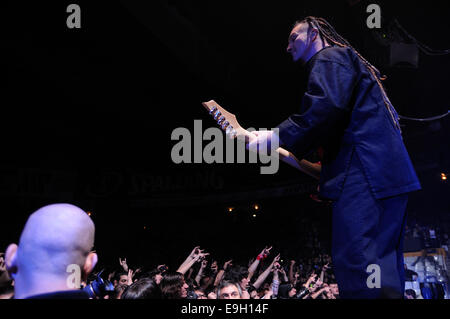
[[230, 209], [256, 206], [145, 227], [89, 213], [443, 176], [254, 215]]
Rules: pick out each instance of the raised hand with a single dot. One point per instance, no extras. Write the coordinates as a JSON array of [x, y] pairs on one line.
[[317, 284], [130, 277], [310, 279], [203, 264], [276, 259], [200, 256], [194, 251], [227, 264], [266, 251], [123, 263]]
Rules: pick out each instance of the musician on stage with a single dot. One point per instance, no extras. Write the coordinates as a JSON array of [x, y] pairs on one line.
[[366, 170]]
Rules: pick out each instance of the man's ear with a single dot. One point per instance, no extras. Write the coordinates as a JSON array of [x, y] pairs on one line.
[[89, 264], [11, 260], [314, 34]]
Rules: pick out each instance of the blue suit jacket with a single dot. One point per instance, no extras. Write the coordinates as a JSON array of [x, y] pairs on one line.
[[344, 113]]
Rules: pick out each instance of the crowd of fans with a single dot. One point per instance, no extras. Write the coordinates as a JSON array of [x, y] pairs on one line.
[[60, 235], [200, 277]]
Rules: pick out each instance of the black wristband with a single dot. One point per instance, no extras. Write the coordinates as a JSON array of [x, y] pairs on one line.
[[305, 291]]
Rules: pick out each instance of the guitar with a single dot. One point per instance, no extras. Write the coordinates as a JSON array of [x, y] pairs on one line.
[[228, 123]]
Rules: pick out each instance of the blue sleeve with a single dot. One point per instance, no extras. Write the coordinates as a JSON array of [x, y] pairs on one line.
[[324, 107]]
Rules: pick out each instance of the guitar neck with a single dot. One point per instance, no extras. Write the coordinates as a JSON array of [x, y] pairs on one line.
[[305, 166], [228, 122]]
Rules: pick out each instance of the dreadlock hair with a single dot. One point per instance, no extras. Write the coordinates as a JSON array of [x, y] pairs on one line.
[[326, 31]]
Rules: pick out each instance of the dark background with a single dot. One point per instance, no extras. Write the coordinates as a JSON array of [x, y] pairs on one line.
[[87, 117]]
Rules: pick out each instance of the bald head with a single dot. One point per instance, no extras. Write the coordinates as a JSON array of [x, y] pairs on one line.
[[54, 237]]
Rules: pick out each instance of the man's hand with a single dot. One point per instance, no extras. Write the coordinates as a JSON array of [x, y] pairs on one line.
[[276, 259], [266, 250], [263, 140], [318, 284], [310, 279], [227, 264], [200, 256], [194, 251], [130, 277], [123, 263], [204, 264]]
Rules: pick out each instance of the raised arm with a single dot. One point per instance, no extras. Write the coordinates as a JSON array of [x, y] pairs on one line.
[[318, 289], [324, 268], [221, 272], [190, 256], [265, 273], [200, 271], [191, 260], [123, 263], [264, 253], [275, 281], [310, 280], [189, 273], [283, 273]]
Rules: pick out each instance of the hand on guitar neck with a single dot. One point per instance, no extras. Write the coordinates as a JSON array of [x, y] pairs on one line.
[[263, 140], [259, 140]]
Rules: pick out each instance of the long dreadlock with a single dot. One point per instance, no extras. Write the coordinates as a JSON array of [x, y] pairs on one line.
[[326, 31]]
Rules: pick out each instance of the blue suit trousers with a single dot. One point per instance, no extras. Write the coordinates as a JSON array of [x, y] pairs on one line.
[[367, 239]]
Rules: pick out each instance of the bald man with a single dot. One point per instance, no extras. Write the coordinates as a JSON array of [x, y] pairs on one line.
[[55, 243]]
